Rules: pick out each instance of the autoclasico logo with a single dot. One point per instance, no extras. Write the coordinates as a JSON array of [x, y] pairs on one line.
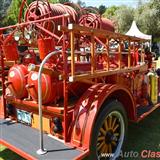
[[129, 154], [134, 154], [150, 154]]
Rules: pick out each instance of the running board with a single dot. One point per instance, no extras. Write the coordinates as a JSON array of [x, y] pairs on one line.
[[145, 114]]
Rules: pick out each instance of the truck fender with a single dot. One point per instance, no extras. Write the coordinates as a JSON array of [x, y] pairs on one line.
[[89, 105]]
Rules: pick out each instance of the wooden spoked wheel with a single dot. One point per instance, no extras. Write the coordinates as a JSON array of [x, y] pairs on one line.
[[109, 132]]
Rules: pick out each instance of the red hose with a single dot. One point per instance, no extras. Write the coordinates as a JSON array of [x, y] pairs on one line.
[[38, 10], [95, 21]]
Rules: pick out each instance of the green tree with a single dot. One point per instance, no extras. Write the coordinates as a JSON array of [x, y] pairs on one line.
[[110, 12], [63, 1], [156, 4], [3, 7], [53, 1], [13, 11], [147, 17], [81, 3], [123, 18], [140, 3], [102, 9]]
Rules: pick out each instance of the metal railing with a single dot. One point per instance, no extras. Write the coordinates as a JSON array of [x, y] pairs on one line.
[[42, 150]]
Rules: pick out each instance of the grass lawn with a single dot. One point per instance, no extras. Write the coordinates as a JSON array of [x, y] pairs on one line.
[[6, 154], [144, 135]]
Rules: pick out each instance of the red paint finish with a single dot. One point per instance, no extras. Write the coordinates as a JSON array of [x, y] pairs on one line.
[[87, 109], [10, 51], [95, 21], [17, 80], [3, 100], [77, 122], [42, 10], [29, 57], [51, 89], [45, 46], [31, 106], [2, 107], [81, 116], [83, 155]]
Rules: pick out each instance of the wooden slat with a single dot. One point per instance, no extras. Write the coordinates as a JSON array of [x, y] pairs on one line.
[[129, 53], [92, 55], [107, 44], [134, 49], [120, 55], [63, 28], [102, 73], [95, 35], [9, 63], [72, 54], [97, 32], [142, 53]]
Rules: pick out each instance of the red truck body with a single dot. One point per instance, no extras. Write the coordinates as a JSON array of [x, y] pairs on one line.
[[91, 86]]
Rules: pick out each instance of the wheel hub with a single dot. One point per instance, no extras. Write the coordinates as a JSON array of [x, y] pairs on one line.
[[110, 134], [109, 137]]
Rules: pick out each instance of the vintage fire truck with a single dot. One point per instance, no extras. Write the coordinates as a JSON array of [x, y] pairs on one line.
[[73, 83]]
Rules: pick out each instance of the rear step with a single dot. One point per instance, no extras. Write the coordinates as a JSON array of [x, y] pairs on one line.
[[26, 140]]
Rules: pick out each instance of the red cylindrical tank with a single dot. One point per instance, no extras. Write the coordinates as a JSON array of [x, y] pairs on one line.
[[17, 80], [107, 24], [51, 88]]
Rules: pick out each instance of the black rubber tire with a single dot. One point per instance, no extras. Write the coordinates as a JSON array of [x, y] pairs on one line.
[[108, 108]]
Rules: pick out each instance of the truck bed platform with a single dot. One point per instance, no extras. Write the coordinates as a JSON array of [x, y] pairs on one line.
[[26, 139]]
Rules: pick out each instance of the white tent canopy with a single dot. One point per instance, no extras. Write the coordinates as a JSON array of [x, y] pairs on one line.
[[134, 31]]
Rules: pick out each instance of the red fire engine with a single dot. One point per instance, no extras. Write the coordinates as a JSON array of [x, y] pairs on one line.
[[72, 84]]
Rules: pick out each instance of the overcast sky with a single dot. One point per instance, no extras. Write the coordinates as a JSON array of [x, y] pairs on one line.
[[96, 3]]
